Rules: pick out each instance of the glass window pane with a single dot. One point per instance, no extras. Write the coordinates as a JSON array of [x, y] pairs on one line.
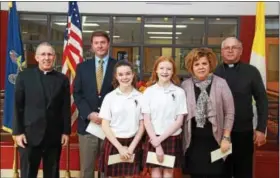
[[180, 54], [58, 25], [127, 29], [87, 52], [219, 28], [272, 27], [33, 27], [272, 60], [93, 23], [130, 54], [29, 54], [158, 30], [152, 54], [217, 51], [59, 53], [190, 30]]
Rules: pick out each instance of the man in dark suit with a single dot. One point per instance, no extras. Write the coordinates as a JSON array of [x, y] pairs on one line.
[[92, 82], [42, 108]]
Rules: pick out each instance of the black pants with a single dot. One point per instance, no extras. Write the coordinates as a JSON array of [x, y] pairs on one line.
[[240, 163], [30, 158]]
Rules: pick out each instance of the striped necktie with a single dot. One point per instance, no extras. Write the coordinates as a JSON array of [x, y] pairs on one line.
[[99, 75]]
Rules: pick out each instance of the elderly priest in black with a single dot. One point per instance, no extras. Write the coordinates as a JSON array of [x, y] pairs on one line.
[[42, 107], [245, 83]]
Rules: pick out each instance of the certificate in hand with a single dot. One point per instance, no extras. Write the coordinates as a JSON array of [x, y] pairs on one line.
[[168, 160], [218, 154], [95, 130], [113, 159]]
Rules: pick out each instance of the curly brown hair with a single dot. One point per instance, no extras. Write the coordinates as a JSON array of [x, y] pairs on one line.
[[154, 78], [198, 53], [120, 63]]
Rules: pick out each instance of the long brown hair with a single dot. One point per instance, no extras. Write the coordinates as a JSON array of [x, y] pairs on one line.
[[154, 78], [119, 64]]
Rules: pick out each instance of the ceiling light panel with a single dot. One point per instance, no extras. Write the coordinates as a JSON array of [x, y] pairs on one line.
[[163, 26], [163, 33]]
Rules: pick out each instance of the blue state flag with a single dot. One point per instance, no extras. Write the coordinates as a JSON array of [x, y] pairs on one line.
[[14, 63]]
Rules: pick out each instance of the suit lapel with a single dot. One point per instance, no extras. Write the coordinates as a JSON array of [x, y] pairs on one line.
[[54, 89], [40, 85], [92, 74], [107, 80]]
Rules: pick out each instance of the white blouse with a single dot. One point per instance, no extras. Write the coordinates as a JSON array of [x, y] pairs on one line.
[[164, 105], [123, 112]]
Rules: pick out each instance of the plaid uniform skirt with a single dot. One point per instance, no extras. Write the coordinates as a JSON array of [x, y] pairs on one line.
[[171, 146], [119, 169]]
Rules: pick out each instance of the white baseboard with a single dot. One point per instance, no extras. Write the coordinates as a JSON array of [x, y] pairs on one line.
[[10, 173]]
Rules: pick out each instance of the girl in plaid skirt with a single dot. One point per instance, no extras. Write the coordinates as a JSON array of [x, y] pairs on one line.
[[164, 108], [122, 123]]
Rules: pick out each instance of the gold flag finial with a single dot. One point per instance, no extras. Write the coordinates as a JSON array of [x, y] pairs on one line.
[[10, 4]]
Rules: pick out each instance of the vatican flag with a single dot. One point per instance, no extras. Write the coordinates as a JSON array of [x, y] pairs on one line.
[[258, 49]]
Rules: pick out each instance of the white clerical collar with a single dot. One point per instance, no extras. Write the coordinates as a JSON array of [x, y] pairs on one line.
[[47, 72]]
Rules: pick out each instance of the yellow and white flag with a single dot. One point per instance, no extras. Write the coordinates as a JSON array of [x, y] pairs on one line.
[[258, 50]]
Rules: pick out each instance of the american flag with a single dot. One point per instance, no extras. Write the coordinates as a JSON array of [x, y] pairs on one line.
[[72, 53]]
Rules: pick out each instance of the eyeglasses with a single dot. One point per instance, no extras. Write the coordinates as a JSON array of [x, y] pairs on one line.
[[231, 48], [46, 54]]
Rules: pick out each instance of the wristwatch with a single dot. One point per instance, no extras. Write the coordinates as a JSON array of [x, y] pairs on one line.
[[226, 138]]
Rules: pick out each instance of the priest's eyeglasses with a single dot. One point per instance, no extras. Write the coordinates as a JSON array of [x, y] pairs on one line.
[[231, 48], [46, 54]]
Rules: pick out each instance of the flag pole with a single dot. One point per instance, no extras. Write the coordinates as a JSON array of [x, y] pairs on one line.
[[67, 171], [69, 69], [15, 164]]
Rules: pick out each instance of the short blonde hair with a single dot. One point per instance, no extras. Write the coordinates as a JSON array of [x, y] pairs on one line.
[[198, 53]]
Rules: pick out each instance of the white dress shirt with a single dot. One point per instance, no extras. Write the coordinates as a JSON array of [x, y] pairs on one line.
[[164, 105], [123, 112]]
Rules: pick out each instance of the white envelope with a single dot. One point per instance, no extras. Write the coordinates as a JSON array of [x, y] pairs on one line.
[[96, 130], [113, 159], [168, 160], [218, 154]]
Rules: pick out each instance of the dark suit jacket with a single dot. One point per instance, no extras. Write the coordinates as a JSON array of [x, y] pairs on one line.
[[33, 115], [85, 92]]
